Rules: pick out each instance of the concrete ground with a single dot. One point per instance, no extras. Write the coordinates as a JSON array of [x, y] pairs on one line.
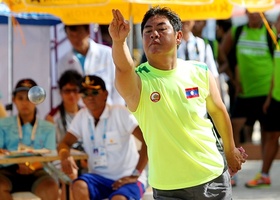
[[249, 169]]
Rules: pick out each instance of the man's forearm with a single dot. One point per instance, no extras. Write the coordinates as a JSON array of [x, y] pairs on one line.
[[122, 57], [143, 159], [63, 151]]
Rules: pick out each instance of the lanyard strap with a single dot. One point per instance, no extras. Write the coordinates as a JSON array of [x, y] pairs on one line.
[[91, 129], [33, 132]]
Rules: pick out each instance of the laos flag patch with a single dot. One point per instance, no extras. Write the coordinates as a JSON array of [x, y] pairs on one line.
[[192, 92]]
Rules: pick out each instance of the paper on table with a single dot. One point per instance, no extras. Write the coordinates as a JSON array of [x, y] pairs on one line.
[[27, 152]]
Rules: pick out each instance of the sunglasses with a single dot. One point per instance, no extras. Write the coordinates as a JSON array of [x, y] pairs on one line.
[[69, 91], [89, 93]]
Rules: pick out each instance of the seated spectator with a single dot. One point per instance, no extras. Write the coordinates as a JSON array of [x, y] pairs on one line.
[[63, 114], [107, 133], [23, 131]]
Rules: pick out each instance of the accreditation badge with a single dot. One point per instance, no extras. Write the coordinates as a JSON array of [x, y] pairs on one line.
[[99, 157]]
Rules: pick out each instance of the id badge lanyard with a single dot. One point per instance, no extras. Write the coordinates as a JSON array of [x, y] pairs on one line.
[[99, 154], [33, 132], [91, 129]]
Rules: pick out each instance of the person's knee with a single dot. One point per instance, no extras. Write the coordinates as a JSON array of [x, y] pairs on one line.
[[46, 189], [79, 186], [118, 197], [46, 183], [5, 185]]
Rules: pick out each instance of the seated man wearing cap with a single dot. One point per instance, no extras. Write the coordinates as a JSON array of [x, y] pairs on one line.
[[107, 131], [26, 131]]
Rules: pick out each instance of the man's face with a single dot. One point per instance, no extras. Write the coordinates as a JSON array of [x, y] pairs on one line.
[[159, 36], [188, 26], [22, 103], [199, 26], [94, 99], [254, 19], [277, 25], [78, 38]]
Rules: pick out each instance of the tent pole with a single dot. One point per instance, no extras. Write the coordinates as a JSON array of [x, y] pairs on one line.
[[10, 59]]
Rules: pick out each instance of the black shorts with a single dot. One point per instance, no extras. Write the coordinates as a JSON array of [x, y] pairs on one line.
[[22, 182], [272, 119], [217, 189], [249, 108]]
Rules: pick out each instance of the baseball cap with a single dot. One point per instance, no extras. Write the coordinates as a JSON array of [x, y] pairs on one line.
[[24, 85], [92, 82]]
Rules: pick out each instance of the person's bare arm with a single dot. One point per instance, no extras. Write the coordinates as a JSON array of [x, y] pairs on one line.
[[227, 42], [237, 82], [127, 82], [269, 96], [220, 117], [3, 112], [50, 119], [67, 162], [222, 61], [143, 159]]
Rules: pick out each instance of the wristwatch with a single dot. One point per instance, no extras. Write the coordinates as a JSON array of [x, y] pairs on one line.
[[136, 172]]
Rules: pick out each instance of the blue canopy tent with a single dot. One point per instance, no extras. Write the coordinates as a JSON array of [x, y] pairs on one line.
[[27, 18]]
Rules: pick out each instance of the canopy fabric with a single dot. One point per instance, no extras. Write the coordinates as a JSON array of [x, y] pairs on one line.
[[255, 5], [27, 18], [99, 11]]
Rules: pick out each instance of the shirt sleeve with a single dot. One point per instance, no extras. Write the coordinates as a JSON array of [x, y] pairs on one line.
[[128, 120]]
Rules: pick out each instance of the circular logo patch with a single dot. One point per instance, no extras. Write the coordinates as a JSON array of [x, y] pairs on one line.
[[155, 97]]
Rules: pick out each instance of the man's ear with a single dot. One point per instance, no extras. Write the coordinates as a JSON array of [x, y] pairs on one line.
[[179, 37]]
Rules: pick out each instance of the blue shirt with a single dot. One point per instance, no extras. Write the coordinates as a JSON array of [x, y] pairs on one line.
[[81, 59], [9, 136]]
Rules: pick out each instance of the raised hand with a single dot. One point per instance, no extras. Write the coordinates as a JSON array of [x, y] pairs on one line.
[[119, 27]]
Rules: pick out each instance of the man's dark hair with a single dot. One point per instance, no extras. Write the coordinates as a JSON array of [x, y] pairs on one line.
[[173, 18], [225, 24], [75, 27], [69, 77]]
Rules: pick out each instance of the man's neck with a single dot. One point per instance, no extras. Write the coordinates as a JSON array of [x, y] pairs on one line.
[[97, 113], [255, 25], [83, 50], [164, 63], [186, 36]]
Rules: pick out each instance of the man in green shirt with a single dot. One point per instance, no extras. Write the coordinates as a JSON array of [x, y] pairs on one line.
[[170, 98]]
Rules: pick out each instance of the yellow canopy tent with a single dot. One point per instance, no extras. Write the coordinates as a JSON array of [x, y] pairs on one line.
[[254, 5], [99, 11]]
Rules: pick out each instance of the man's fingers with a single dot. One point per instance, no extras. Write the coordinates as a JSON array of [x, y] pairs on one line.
[[119, 15], [114, 14]]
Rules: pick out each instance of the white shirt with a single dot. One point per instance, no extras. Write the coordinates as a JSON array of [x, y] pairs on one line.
[[98, 62], [118, 124], [198, 51]]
